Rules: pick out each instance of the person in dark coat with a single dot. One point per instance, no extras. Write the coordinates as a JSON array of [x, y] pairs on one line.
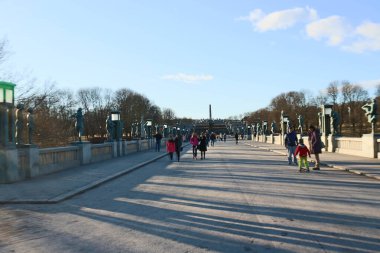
[[291, 145], [237, 138], [315, 145], [178, 145], [203, 145], [158, 137]]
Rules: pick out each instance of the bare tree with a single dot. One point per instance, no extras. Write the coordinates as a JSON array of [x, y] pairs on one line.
[[3, 50], [333, 92], [168, 115], [377, 92], [96, 103], [353, 96]]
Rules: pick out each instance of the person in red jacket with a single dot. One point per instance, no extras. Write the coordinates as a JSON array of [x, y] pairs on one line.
[[170, 147], [303, 152], [194, 141]]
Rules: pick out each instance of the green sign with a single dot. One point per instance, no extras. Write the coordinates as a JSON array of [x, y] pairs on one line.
[[7, 92]]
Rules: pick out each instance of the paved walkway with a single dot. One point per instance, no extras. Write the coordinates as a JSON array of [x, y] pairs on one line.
[[56, 187], [355, 164], [62, 185]]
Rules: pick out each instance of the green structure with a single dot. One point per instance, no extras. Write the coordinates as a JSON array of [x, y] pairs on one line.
[[6, 115], [8, 152]]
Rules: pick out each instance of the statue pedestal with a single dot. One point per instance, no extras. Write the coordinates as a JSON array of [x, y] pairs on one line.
[[30, 161], [84, 151], [331, 143], [324, 139], [9, 167], [369, 144]]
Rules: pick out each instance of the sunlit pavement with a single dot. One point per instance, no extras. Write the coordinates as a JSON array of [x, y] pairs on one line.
[[240, 199]]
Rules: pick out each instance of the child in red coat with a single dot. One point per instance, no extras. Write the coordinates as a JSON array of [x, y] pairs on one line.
[[303, 152], [170, 147]]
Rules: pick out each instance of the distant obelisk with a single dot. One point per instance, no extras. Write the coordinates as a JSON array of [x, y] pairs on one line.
[[210, 112], [210, 120]]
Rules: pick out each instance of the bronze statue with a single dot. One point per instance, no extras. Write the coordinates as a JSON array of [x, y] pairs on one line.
[[110, 126], [334, 122], [300, 123], [273, 127], [19, 124], [79, 125], [371, 111], [30, 124]]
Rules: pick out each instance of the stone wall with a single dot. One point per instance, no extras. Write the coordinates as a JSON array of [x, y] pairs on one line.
[[29, 161], [366, 146]]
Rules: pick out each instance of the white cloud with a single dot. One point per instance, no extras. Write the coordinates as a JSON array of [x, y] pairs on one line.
[[280, 20], [188, 78], [334, 28], [368, 38], [369, 84]]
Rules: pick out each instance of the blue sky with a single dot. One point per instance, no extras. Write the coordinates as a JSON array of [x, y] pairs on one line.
[[184, 55]]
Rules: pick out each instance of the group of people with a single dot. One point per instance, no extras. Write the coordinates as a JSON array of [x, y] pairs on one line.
[[297, 147], [199, 143], [174, 145]]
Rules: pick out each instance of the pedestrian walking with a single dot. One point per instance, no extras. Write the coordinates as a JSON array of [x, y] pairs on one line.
[[170, 147], [315, 145], [224, 137], [158, 137], [212, 138], [236, 138], [303, 152], [207, 138], [194, 142], [291, 144], [203, 146], [178, 145]]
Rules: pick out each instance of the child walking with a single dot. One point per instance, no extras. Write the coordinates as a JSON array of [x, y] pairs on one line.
[[303, 152], [170, 147]]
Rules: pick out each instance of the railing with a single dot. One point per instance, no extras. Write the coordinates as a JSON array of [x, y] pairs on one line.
[[101, 151], [30, 161], [132, 146], [346, 143], [367, 146], [55, 159]]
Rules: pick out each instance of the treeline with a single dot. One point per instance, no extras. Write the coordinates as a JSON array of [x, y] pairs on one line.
[[345, 97], [54, 111], [54, 108]]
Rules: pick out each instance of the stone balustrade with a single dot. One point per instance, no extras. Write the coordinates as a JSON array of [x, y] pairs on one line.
[[366, 146], [29, 161]]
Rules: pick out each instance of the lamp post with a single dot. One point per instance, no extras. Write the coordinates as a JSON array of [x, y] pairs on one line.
[[165, 134], [115, 117], [326, 117], [326, 126], [9, 162], [149, 124], [284, 127], [249, 132], [6, 119]]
